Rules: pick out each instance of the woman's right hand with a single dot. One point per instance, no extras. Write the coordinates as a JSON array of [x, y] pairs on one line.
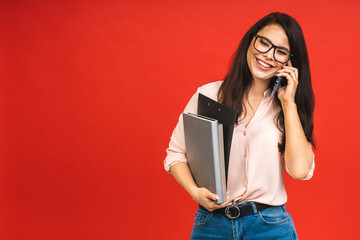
[[202, 196], [206, 199]]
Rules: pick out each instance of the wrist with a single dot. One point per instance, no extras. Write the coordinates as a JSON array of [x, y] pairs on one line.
[[288, 104], [193, 191]]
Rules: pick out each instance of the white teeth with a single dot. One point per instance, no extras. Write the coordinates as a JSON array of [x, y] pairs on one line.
[[264, 64]]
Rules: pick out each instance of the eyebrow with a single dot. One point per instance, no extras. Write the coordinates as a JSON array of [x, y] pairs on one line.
[[281, 47]]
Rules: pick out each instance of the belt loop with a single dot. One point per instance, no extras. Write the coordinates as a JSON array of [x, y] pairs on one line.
[[284, 207], [254, 208]]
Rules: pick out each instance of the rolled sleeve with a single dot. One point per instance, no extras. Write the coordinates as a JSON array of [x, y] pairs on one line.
[[176, 152], [311, 170]]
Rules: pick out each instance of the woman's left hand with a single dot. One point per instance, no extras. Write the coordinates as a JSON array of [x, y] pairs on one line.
[[286, 94]]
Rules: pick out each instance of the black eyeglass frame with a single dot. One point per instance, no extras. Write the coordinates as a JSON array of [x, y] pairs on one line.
[[272, 46]]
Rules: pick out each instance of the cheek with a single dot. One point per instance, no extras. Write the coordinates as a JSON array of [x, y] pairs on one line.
[[250, 55], [252, 51], [279, 66]]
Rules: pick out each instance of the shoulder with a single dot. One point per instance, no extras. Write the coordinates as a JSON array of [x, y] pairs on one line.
[[210, 89]]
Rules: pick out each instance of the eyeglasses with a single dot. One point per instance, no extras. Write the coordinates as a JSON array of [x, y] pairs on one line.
[[263, 45]]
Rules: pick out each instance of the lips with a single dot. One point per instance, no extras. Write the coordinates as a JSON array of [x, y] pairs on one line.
[[263, 65]]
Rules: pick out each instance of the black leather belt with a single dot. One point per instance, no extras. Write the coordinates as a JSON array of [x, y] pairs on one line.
[[235, 211]]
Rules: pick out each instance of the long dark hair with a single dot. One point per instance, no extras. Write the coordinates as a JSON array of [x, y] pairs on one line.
[[239, 79]]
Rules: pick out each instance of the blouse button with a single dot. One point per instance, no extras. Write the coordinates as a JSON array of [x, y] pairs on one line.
[[244, 133], [245, 154]]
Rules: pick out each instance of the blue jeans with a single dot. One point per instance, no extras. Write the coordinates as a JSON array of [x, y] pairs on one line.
[[271, 223]]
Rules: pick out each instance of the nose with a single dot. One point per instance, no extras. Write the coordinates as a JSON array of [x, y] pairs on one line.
[[270, 53]]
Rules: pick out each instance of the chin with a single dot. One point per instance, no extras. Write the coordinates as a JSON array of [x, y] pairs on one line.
[[262, 75], [268, 80]]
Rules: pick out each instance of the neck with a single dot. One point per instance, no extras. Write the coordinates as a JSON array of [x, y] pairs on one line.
[[258, 88]]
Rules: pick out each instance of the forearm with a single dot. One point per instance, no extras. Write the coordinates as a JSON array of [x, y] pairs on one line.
[[298, 152], [182, 175]]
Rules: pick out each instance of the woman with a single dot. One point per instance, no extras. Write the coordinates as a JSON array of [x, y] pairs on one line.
[[272, 133]]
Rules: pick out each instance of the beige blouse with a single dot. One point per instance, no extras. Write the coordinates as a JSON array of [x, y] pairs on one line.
[[256, 167]]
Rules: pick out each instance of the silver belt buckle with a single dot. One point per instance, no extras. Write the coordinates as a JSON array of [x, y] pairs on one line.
[[228, 213]]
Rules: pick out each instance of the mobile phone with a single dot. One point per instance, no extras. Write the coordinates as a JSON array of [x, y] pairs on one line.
[[280, 81]]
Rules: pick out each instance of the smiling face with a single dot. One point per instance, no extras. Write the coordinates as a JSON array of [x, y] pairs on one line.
[[263, 65]]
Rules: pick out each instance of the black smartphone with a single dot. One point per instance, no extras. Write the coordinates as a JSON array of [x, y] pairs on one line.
[[279, 81]]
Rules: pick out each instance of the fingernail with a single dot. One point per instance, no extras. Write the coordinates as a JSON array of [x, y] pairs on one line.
[[217, 198]]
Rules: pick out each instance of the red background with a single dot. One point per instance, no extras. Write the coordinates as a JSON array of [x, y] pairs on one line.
[[91, 91]]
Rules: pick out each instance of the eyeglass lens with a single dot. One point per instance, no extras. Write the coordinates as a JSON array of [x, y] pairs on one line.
[[263, 46]]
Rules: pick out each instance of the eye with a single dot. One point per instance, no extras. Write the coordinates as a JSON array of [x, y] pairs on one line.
[[264, 42], [282, 52]]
